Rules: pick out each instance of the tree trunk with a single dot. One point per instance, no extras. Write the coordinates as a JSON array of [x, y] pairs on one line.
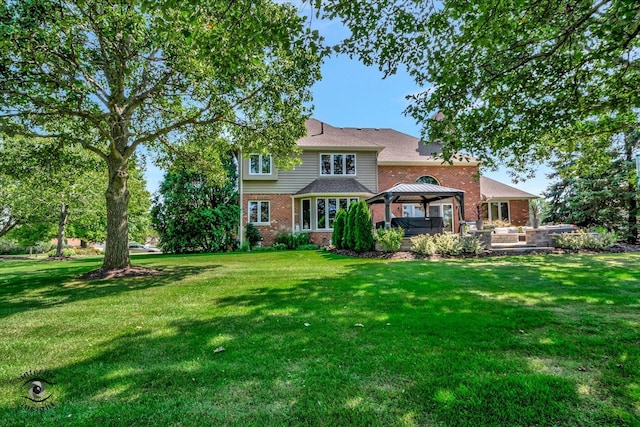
[[62, 226], [117, 245]]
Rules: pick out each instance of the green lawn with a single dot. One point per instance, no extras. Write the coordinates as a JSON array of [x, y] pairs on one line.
[[534, 340]]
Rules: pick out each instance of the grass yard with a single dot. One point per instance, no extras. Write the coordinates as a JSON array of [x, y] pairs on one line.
[[534, 340]]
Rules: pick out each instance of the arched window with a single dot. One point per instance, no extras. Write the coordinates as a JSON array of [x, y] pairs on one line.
[[427, 179]]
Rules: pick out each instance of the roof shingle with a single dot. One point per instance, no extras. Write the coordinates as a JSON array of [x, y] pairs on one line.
[[335, 186], [492, 189]]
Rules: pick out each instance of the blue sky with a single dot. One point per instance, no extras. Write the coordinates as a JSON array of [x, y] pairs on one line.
[[353, 95]]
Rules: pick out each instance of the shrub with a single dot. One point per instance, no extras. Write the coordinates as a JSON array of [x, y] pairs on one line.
[[472, 245], [244, 247], [423, 244], [583, 240], [448, 244], [339, 224], [307, 247], [390, 239], [253, 235], [291, 240], [66, 252], [12, 247], [88, 251], [263, 249], [280, 246], [363, 228], [349, 237]]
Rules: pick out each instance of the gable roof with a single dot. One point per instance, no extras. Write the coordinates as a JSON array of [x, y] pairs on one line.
[[395, 148], [492, 189], [323, 136]]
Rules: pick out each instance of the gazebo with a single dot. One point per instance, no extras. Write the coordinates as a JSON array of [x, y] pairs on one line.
[[417, 193]]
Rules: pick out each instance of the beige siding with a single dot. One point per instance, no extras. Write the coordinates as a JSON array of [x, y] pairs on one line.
[[291, 181]]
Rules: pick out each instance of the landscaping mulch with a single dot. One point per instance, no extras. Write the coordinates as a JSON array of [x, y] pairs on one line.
[[407, 255]]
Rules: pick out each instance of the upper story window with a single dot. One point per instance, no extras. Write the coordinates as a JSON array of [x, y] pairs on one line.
[[337, 164], [259, 164], [427, 179]]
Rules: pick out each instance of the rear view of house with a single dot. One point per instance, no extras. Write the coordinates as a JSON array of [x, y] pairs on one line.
[[340, 166]]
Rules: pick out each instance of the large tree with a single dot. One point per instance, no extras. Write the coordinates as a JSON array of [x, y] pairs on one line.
[[193, 214], [508, 81], [184, 80]]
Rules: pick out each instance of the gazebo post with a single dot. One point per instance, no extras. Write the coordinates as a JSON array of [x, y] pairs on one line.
[[460, 199], [388, 196]]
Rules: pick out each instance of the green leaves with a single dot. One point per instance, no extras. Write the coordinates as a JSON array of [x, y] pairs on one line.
[[193, 214], [508, 77], [188, 82]]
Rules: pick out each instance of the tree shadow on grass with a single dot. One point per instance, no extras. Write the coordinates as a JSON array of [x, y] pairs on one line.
[[58, 284], [433, 349]]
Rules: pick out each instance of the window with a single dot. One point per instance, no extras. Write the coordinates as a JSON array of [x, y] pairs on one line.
[[337, 164], [326, 210], [306, 214], [321, 213], [412, 210], [259, 164], [259, 212], [427, 179], [495, 211], [444, 210]]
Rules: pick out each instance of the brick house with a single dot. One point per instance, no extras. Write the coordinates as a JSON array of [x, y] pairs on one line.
[[342, 165]]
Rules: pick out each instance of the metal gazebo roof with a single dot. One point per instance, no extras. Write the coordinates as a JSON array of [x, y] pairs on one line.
[[415, 193]]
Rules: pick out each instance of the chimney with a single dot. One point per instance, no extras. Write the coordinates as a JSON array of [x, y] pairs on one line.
[[321, 128]]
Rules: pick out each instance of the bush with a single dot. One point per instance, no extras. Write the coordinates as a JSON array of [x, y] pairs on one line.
[[472, 245], [584, 240], [349, 236], [263, 249], [390, 239], [280, 246], [448, 244], [88, 251], [292, 240], [307, 247], [12, 247], [339, 224], [363, 228], [253, 235], [423, 244], [244, 247], [66, 252]]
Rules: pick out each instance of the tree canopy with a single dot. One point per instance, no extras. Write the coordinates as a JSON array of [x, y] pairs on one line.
[[595, 186], [188, 81], [507, 81], [46, 187]]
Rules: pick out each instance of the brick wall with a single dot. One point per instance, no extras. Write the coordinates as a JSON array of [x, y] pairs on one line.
[[279, 214], [463, 178], [519, 212]]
